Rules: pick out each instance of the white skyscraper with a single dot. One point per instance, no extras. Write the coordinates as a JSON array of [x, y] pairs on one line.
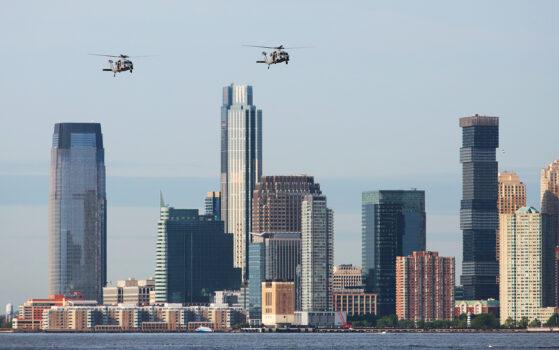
[[317, 254], [241, 166]]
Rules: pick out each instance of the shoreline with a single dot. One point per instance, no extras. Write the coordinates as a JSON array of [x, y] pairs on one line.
[[296, 330]]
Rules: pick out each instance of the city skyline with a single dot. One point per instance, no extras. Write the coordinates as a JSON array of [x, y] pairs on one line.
[[140, 163]]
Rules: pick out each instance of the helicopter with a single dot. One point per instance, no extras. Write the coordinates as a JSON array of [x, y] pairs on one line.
[[122, 64], [278, 55]]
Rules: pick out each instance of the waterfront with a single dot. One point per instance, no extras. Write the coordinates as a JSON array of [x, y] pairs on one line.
[[245, 341]]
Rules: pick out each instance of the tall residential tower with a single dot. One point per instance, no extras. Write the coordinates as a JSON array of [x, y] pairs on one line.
[[77, 211], [317, 254], [478, 208], [241, 166]]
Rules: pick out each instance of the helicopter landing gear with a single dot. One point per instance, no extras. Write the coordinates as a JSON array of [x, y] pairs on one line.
[[286, 62], [130, 71]]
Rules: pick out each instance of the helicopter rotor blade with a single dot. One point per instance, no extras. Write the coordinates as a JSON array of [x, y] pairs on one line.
[[97, 54], [262, 47], [298, 47]]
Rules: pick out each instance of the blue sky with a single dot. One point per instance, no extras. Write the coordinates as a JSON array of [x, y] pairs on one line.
[[373, 106]]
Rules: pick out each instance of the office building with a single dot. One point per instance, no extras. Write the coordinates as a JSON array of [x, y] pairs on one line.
[[525, 257], [278, 303], [347, 276], [272, 256], [317, 254], [77, 211], [276, 203], [512, 196], [478, 208], [194, 257], [424, 287], [241, 166], [130, 292], [393, 224], [212, 204], [355, 302]]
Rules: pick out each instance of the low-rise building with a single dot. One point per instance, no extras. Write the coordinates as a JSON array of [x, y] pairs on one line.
[[130, 291], [278, 303], [355, 302], [30, 313], [476, 307], [320, 319]]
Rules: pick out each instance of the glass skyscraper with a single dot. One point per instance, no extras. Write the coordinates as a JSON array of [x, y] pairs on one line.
[[194, 257], [393, 224], [77, 211], [241, 166], [478, 208]]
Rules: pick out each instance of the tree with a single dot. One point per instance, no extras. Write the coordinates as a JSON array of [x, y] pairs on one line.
[[406, 324], [535, 323], [523, 323], [389, 321], [485, 321], [460, 322], [553, 321], [510, 323]]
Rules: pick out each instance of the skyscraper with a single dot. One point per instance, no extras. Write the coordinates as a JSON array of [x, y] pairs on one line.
[[393, 224], [317, 254], [241, 166], [193, 257], [549, 187], [77, 211], [512, 196], [526, 261], [276, 203], [478, 209], [212, 204], [424, 287]]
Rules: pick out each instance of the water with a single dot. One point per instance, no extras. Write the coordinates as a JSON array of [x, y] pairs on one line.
[[140, 341]]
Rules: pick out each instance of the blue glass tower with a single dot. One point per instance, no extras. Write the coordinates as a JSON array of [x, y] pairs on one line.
[[393, 224], [478, 208], [77, 211]]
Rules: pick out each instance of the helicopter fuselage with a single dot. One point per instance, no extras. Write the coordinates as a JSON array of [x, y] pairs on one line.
[[278, 56], [119, 66]]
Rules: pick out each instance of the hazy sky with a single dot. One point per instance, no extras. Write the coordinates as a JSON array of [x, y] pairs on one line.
[[374, 105]]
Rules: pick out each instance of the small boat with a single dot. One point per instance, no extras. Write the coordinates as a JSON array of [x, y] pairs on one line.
[[203, 329]]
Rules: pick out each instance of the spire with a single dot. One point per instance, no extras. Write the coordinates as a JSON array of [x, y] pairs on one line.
[[161, 200]]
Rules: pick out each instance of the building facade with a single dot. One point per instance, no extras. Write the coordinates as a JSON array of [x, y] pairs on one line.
[[476, 307], [130, 292], [549, 194], [512, 196], [77, 211], [478, 208], [347, 276], [194, 257], [241, 166], [276, 203], [525, 258], [278, 303], [317, 254], [355, 302], [424, 287], [212, 204], [393, 224]]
